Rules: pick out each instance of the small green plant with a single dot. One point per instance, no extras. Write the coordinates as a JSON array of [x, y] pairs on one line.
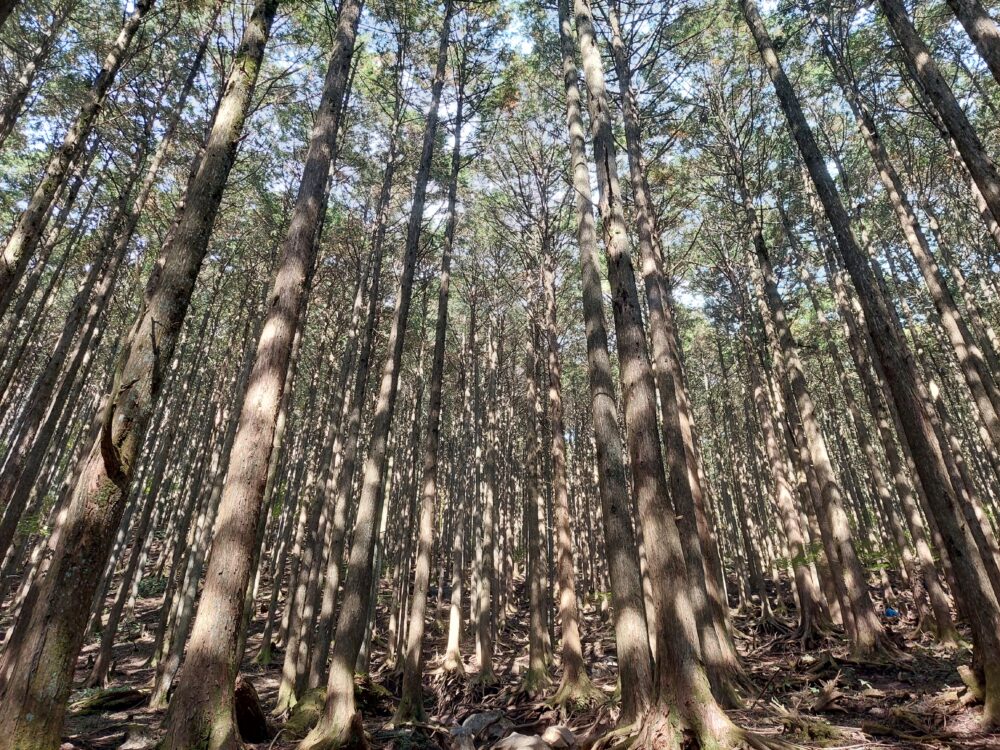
[[152, 586]]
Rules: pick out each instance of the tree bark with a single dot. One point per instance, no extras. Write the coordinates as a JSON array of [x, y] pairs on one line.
[[631, 630], [338, 725], [18, 95], [982, 30], [681, 682], [202, 708], [33, 699], [898, 365], [411, 703], [921, 65]]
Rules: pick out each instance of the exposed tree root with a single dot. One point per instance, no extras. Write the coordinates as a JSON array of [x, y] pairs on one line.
[[578, 695], [535, 682], [350, 736], [771, 625], [812, 635]]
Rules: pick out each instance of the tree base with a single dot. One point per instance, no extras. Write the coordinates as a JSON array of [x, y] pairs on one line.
[[409, 711], [453, 663], [535, 681], [329, 736], [576, 695]]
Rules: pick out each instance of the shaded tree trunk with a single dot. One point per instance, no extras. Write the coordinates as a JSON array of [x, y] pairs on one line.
[[631, 630], [32, 701], [338, 725], [898, 365]]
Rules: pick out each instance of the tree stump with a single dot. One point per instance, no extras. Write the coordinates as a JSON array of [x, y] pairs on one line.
[[250, 718]]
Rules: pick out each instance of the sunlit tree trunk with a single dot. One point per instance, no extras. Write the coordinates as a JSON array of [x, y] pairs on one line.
[[203, 706], [23, 240], [339, 725], [921, 65], [901, 377], [13, 105], [681, 681], [32, 701], [631, 634]]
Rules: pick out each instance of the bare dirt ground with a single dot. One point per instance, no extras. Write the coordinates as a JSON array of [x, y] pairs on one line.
[[820, 698]]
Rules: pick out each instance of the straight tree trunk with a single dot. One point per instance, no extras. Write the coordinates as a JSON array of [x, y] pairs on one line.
[[575, 686], [339, 725], [631, 632], [411, 703], [537, 677], [32, 700], [710, 632], [202, 710], [681, 682]]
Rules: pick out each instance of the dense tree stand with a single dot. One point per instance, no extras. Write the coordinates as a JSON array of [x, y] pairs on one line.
[[340, 408]]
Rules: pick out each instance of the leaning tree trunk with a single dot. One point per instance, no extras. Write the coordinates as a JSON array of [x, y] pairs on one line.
[[19, 475], [18, 94], [982, 30], [971, 360], [203, 707], [338, 725], [27, 232], [921, 66], [904, 384], [32, 700], [864, 627]]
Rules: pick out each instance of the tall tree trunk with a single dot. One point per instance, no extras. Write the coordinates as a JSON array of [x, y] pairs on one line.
[[338, 725], [340, 481], [922, 67], [631, 632], [710, 632], [866, 631], [681, 682], [575, 686], [203, 707], [982, 30], [24, 238], [32, 700], [811, 623], [537, 677], [18, 95], [901, 376], [411, 702], [971, 360]]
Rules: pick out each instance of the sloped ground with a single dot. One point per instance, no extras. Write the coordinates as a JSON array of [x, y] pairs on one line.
[[816, 699]]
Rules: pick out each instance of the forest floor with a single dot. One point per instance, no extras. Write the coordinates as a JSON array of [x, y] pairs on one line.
[[820, 698]]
